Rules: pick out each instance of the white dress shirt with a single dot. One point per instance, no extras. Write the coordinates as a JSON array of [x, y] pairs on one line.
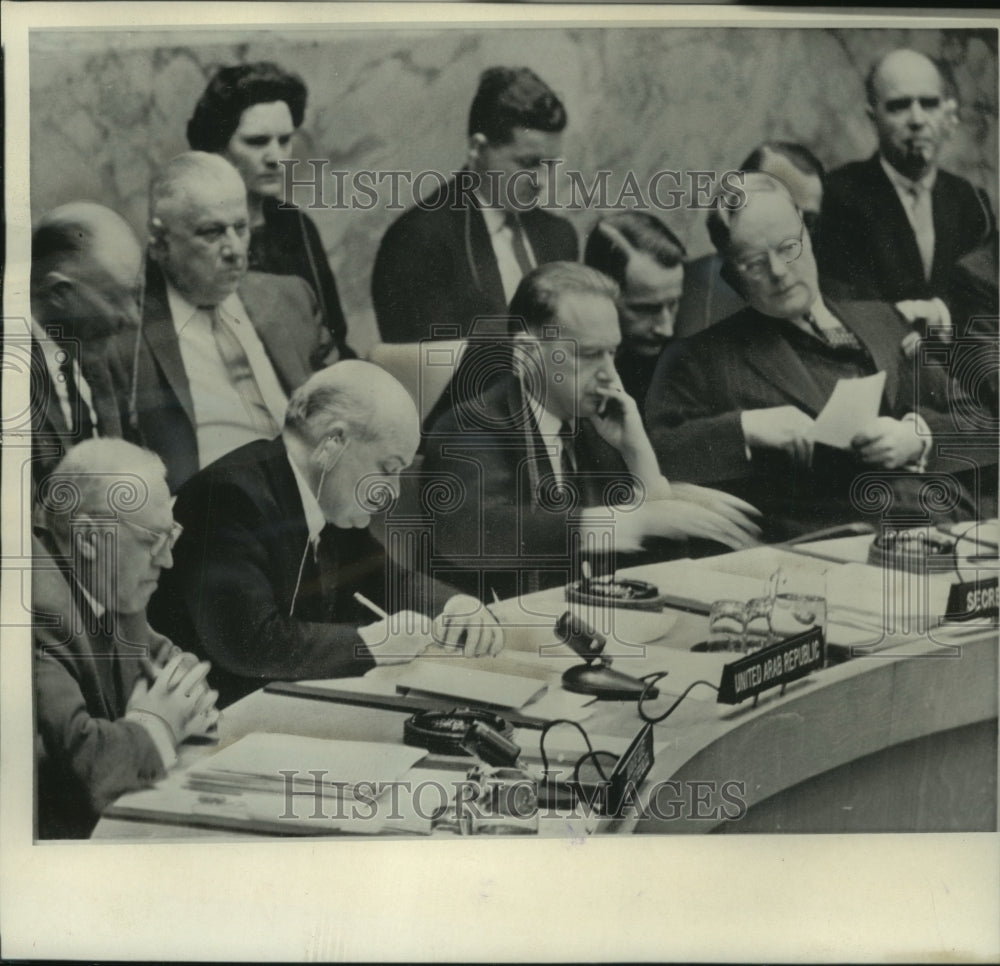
[[222, 422], [548, 428], [315, 521]]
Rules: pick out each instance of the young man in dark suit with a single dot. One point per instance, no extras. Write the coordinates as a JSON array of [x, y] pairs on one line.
[[461, 253], [735, 405]]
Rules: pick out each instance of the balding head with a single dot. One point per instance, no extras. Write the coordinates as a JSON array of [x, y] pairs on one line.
[[199, 226], [86, 265], [108, 488], [350, 429], [907, 105]]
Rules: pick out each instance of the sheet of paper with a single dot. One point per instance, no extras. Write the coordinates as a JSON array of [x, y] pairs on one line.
[[482, 687], [852, 403]]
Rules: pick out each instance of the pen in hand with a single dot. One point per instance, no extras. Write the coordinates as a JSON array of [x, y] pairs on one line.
[[374, 608]]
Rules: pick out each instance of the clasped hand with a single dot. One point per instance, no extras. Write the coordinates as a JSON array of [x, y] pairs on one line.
[[785, 428], [179, 696]]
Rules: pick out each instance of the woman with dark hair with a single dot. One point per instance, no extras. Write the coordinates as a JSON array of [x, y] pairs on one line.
[[248, 114]]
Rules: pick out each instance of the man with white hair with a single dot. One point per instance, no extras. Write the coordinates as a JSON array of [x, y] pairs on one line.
[[735, 405], [220, 348], [85, 273], [113, 698], [277, 546]]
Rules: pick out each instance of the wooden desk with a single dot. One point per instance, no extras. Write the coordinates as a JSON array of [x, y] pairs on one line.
[[901, 740]]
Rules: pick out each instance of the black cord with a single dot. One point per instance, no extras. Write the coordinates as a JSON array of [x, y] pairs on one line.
[[650, 680], [590, 748]]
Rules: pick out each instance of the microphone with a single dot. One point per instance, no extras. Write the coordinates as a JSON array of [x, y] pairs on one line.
[[596, 676]]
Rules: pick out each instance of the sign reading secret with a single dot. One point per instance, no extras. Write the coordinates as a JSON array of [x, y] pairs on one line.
[[777, 664], [973, 598]]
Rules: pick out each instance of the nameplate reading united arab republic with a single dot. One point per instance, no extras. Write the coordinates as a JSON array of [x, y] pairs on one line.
[[777, 664]]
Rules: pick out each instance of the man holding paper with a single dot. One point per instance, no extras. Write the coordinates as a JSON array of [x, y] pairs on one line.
[[278, 576], [741, 405]]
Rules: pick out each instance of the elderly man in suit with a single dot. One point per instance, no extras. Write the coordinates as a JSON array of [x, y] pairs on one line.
[[277, 547], [554, 453], [219, 348], [734, 406], [113, 698], [894, 226], [85, 273]]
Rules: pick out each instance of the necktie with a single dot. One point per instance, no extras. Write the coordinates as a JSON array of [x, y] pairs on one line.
[[923, 225], [837, 337], [83, 423], [517, 243], [241, 376]]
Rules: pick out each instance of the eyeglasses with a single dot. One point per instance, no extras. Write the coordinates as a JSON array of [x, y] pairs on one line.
[[757, 266], [160, 538]]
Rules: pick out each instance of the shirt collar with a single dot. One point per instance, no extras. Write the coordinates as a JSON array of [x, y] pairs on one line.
[[97, 607], [182, 311], [902, 183], [495, 218], [315, 521], [548, 425]]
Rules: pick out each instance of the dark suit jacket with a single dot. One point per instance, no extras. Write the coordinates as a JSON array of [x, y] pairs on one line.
[[435, 266], [87, 754], [867, 244], [702, 385], [282, 310], [288, 243], [484, 484], [706, 298], [232, 586], [51, 435]]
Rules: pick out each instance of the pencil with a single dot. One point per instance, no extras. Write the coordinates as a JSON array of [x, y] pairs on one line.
[[374, 608]]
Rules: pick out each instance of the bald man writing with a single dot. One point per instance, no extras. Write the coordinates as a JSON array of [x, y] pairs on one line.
[[277, 546]]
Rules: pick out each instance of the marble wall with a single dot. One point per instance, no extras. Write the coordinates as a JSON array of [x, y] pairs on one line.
[[108, 107]]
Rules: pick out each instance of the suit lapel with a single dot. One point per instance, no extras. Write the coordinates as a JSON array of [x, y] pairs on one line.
[[51, 421], [275, 328], [484, 261], [767, 352], [161, 340], [894, 236], [880, 337]]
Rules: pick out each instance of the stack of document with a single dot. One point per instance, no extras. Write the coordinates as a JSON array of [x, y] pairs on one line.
[[277, 763], [279, 784]]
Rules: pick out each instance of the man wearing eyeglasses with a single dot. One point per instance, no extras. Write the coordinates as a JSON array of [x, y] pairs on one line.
[[113, 698], [734, 406], [894, 226]]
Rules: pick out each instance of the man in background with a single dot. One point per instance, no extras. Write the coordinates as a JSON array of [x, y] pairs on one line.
[[895, 226], [86, 268], [219, 348], [646, 260]]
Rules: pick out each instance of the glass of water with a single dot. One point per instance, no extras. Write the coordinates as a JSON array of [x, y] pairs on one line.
[[799, 603], [725, 626]]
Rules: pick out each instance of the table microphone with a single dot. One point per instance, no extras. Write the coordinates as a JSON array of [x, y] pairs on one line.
[[596, 676]]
